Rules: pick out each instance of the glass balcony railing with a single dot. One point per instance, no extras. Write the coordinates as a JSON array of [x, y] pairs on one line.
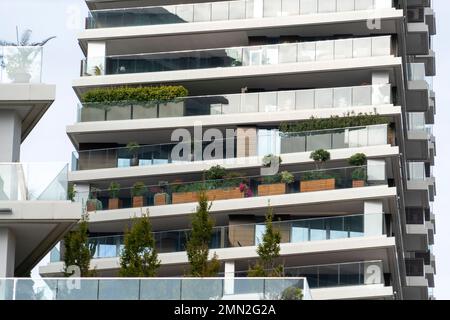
[[269, 141], [152, 289], [337, 275], [248, 235], [20, 64], [417, 171], [298, 52], [276, 101], [224, 11], [33, 181], [416, 121]]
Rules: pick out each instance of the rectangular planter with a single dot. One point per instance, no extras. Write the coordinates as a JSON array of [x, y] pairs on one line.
[[113, 204], [271, 189], [219, 194], [358, 183], [138, 202], [160, 199], [317, 185]]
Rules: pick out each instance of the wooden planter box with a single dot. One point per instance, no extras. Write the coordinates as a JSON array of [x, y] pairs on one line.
[[160, 199], [359, 183], [271, 189], [219, 194], [138, 202], [317, 185], [113, 204]]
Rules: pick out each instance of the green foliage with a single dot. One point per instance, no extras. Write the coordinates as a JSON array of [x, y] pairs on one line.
[[71, 192], [287, 177], [359, 174], [155, 94], [268, 251], [133, 147], [316, 175], [77, 251], [292, 293], [139, 257], [198, 243], [215, 173], [114, 189], [271, 179], [269, 159], [320, 156], [347, 121], [358, 159], [139, 189]]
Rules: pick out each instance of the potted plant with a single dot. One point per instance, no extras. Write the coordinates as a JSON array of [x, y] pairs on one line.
[[270, 159], [161, 198], [359, 175], [113, 201], [318, 180], [137, 193], [93, 204], [133, 148], [275, 185]]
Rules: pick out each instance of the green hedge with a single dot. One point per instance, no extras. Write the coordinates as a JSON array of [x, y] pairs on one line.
[[335, 122], [161, 94]]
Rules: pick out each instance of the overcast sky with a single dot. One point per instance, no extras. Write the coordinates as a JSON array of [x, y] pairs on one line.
[[65, 18]]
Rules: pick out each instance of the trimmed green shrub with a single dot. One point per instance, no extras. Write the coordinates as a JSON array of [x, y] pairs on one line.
[[287, 177], [139, 189], [114, 189], [359, 174], [320, 156], [358, 159], [215, 173], [335, 122], [157, 94]]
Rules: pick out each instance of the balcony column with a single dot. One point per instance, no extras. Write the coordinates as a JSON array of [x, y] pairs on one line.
[[96, 57], [10, 136], [373, 218], [7, 253], [229, 277]]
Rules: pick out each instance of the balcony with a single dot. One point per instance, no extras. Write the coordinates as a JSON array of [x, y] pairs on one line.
[[33, 181], [152, 289], [302, 52], [224, 11], [337, 275], [268, 141], [262, 102], [250, 235], [20, 64]]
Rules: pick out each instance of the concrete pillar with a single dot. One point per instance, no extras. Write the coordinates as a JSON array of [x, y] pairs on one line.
[[229, 277], [373, 218], [10, 136], [7, 253], [96, 54]]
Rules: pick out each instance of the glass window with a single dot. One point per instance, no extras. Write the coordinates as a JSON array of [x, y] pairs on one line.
[[308, 6], [219, 11], [272, 8], [286, 100], [292, 144], [317, 230], [327, 6], [342, 97], [343, 49], [381, 46], [202, 12], [290, 7], [317, 141], [250, 102], [324, 98], [186, 12], [300, 232], [328, 276], [345, 5], [324, 50], [362, 47], [288, 53], [304, 99], [270, 54], [337, 230], [268, 102], [306, 51], [354, 225], [339, 140], [237, 9], [351, 274], [362, 96], [364, 4]]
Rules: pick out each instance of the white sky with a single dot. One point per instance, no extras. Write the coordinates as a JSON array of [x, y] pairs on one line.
[[64, 18]]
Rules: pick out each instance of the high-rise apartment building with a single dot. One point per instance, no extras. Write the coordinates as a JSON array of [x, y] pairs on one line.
[[262, 77], [34, 212]]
